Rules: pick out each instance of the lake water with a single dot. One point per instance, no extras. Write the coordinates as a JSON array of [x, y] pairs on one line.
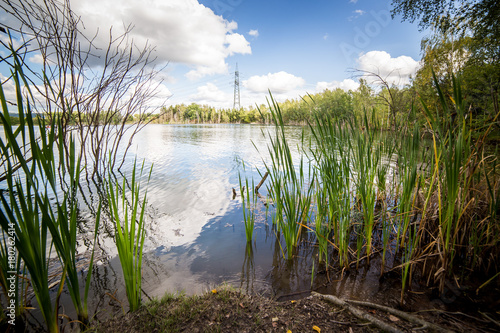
[[195, 230]]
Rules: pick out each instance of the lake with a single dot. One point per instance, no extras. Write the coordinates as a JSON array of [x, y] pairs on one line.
[[195, 235], [195, 230]]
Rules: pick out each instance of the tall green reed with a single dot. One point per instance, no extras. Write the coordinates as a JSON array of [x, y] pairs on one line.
[[451, 141], [43, 219], [290, 187], [366, 157], [249, 202], [407, 231], [127, 212], [322, 227], [41, 204], [428, 205], [333, 163]]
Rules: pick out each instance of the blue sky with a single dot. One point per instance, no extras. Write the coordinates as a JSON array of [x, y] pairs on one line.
[[291, 47]]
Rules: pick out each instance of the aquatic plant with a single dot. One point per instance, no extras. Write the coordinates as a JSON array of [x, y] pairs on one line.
[[333, 163], [429, 207], [322, 227], [290, 187], [366, 156], [249, 202], [39, 211], [127, 212], [407, 231]]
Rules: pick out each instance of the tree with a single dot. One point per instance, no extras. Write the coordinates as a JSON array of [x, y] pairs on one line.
[[337, 103], [192, 112], [397, 100], [465, 40], [97, 89], [363, 98], [475, 18]]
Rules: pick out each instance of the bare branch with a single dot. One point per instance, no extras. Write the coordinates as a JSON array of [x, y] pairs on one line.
[[95, 91]]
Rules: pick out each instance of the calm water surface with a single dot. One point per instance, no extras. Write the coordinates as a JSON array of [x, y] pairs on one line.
[[195, 229]]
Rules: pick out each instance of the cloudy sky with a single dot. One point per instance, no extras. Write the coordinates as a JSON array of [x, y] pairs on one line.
[[291, 47]]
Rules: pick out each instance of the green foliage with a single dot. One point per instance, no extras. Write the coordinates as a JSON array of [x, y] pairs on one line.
[[336, 103], [127, 213], [479, 18], [465, 41], [249, 202], [440, 208], [290, 188], [34, 212], [192, 112]]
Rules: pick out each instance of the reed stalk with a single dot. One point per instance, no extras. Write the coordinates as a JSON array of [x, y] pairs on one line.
[[288, 188], [26, 208], [434, 204], [249, 202], [41, 207], [127, 213], [333, 173], [322, 228], [366, 159]]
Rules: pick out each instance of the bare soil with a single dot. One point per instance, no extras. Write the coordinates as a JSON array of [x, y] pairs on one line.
[[227, 310]]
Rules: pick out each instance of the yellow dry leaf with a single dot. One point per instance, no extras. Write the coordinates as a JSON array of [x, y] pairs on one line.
[[316, 328], [289, 331], [293, 302], [214, 291], [393, 318]]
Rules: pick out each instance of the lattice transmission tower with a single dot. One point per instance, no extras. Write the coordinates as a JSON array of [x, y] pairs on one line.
[[236, 102]]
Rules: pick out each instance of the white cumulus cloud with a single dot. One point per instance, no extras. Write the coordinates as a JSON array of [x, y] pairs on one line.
[[346, 85], [208, 94], [394, 70], [37, 59], [254, 33], [237, 44], [183, 31], [279, 82], [162, 94]]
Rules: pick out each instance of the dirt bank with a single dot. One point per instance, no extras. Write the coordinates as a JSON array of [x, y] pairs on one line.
[[227, 310]]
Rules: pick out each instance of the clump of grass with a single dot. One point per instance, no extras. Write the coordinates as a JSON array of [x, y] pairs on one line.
[[333, 163], [290, 187], [127, 213], [249, 202], [322, 227], [41, 219], [407, 232], [366, 158], [440, 207], [459, 191]]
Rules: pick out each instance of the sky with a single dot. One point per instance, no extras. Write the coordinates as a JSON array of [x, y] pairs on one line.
[[290, 47]]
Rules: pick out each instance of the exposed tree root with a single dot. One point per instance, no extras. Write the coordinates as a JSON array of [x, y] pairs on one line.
[[404, 315], [490, 319], [377, 322], [358, 313]]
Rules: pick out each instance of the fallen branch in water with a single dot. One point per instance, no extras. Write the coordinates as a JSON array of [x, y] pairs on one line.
[[261, 182], [406, 316], [358, 313]]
